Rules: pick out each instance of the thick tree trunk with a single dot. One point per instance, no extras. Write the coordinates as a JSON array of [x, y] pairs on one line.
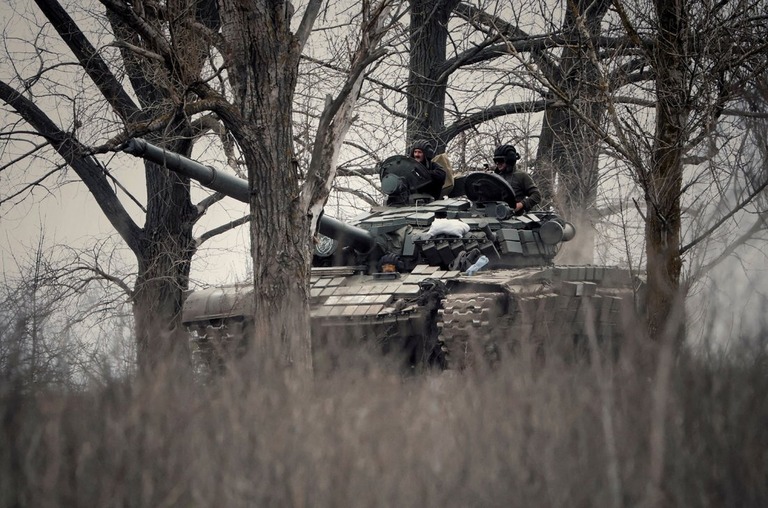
[[568, 147], [568, 155], [164, 256], [280, 246], [426, 88], [665, 314], [158, 298], [265, 56], [165, 246]]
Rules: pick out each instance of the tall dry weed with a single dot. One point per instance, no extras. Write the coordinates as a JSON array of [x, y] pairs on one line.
[[532, 432]]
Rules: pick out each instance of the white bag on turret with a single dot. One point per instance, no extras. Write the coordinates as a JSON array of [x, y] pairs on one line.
[[450, 227]]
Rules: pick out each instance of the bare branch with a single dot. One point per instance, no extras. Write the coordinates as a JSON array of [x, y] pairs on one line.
[[739, 206], [89, 58], [85, 166], [222, 229], [307, 21], [31, 185], [471, 121]]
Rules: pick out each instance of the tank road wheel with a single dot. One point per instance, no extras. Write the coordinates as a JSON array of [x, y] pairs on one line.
[[216, 342], [469, 329]]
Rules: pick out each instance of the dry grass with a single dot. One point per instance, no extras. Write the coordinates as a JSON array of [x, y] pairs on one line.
[[556, 433]]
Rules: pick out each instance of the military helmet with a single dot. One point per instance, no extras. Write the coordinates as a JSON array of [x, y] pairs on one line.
[[506, 153], [425, 146]]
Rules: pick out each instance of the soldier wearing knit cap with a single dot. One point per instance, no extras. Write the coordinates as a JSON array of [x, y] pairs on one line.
[[423, 151]]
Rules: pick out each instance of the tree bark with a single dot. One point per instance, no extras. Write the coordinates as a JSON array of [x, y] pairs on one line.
[[664, 315], [166, 247], [426, 85], [265, 56]]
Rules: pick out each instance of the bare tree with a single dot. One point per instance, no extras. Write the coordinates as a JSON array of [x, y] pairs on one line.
[[699, 91], [259, 118], [47, 313], [163, 246], [199, 67]]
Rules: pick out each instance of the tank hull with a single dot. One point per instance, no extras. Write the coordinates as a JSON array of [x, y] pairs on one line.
[[432, 317]]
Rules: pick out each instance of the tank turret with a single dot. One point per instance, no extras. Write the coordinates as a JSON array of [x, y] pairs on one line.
[[444, 281], [451, 233]]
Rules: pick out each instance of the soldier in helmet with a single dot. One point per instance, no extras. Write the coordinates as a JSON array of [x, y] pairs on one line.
[[526, 192], [423, 151]]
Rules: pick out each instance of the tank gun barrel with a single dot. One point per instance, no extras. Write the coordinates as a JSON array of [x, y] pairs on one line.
[[235, 187], [209, 177], [346, 234]]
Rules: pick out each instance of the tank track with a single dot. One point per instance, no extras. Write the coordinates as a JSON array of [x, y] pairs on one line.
[[463, 326], [213, 342], [483, 327]]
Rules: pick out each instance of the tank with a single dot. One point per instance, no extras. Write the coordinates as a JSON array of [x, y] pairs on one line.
[[447, 283]]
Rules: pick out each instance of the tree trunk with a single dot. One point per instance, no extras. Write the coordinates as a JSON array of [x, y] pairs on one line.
[[569, 147], [265, 56], [165, 246], [426, 88], [664, 183], [280, 247], [164, 256]]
